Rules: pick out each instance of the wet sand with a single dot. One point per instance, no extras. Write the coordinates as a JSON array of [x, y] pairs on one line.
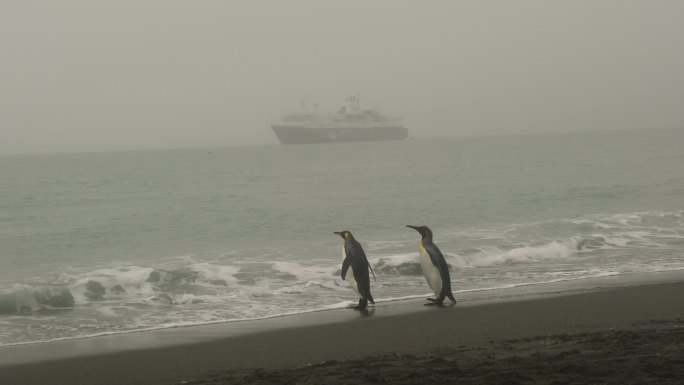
[[631, 335]]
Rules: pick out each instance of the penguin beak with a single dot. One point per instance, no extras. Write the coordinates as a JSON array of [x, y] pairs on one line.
[[338, 233], [418, 229]]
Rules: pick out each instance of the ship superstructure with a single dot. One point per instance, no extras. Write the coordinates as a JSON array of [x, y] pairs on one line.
[[351, 123]]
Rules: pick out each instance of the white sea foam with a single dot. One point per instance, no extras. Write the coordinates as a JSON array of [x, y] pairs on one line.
[[131, 279], [403, 263], [552, 250], [303, 287], [306, 272], [216, 273]]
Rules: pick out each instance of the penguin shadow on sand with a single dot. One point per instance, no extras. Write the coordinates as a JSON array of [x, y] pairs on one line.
[[365, 313], [434, 268], [355, 270]]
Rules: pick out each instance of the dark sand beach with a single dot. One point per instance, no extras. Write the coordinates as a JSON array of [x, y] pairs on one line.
[[624, 335]]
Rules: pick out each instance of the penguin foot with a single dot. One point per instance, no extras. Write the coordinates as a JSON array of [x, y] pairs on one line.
[[439, 304], [363, 304], [367, 312], [435, 302]]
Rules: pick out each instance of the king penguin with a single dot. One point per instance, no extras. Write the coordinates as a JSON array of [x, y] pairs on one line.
[[434, 266], [358, 278]]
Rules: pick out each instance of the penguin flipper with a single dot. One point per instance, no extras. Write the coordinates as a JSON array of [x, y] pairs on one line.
[[345, 266], [371, 270]]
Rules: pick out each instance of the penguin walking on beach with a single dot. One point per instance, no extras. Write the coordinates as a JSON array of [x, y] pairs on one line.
[[353, 256], [434, 267]]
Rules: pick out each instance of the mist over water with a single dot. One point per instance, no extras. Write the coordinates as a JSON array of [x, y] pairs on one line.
[[132, 75], [114, 242]]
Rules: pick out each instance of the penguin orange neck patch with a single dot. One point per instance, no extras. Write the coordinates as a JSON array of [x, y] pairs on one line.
[[421, 248]]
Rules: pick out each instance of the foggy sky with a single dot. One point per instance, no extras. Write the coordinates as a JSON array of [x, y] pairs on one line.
[[137, 74]]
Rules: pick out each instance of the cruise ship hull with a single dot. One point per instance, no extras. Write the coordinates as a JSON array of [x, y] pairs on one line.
[[290, 134]]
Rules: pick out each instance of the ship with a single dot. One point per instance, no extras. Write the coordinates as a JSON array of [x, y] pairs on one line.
[[351, 123]]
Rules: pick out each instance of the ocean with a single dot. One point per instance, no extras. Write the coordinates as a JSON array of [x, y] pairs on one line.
[[102, 243]]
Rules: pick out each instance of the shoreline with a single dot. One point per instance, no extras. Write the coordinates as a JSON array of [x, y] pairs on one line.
[[196, 353], [35, 352]]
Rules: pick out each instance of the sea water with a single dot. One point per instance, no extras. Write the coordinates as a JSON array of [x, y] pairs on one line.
[[101, 243]]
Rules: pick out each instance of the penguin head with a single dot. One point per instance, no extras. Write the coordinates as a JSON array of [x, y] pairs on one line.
[[424, 231], [345, 234]]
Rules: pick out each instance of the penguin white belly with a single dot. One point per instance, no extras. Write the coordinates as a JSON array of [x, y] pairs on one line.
[[430, 271], [350, 275]]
